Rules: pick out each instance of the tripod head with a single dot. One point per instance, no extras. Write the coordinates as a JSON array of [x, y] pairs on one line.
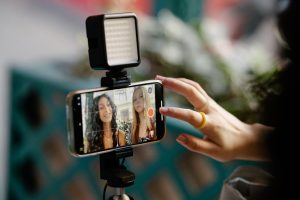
[[115, 173]]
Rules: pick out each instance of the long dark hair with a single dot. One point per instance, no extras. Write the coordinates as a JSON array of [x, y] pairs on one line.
[[95, 138]]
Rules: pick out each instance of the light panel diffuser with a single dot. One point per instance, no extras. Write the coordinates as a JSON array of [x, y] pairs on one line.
[[121, 41]]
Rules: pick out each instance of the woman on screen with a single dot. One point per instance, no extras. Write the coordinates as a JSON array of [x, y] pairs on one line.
[[142, 123], [105, 133]]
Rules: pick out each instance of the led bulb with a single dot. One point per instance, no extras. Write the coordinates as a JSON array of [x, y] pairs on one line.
[[121, 41]]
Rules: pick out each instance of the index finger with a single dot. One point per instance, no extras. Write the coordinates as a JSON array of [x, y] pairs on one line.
[[191, 93]]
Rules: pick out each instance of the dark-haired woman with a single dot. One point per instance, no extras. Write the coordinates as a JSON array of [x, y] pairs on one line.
[[105, 133]]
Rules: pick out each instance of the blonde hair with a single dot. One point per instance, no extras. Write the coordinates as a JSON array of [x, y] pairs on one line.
[[136, 120]]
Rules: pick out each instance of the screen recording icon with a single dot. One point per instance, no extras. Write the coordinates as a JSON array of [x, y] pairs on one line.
[[150, 112]]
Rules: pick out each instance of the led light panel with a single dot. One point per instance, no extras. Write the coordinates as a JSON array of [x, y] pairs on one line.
[[121, 41]]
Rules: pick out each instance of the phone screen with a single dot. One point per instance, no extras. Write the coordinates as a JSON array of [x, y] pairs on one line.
[[110, 119]]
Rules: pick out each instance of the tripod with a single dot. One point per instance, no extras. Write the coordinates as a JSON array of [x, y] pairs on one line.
[[111, 169]]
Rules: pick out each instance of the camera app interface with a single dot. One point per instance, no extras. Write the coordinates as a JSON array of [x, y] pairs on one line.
[[118, 118]]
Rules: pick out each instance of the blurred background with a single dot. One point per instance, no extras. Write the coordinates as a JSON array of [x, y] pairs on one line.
[[224, 45]]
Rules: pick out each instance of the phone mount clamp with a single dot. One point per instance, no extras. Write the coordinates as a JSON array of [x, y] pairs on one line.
[[115, 78], [114, 45]]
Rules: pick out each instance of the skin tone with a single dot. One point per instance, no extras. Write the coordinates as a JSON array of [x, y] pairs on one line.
[[105, 114], [138, 103], [225, 136]]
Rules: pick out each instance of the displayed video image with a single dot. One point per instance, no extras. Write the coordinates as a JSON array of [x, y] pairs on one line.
[[118, 118]]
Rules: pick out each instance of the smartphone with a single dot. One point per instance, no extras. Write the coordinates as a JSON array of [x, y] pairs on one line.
[[103, 119]]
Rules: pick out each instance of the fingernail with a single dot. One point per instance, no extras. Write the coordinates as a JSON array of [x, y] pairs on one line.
[[181, 139], [159, 77], [163, 110]]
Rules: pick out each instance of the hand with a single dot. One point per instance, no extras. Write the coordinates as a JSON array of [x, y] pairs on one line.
[[225, 136]]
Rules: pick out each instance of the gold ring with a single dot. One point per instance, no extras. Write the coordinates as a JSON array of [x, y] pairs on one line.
[[203, 122]]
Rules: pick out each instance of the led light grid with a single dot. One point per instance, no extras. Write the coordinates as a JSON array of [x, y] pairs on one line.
[[121, 41]]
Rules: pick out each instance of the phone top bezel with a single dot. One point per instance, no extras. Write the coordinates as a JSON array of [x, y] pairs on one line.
[[76, 117]]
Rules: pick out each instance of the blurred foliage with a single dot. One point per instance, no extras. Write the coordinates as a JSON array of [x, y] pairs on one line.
[[266, 87]]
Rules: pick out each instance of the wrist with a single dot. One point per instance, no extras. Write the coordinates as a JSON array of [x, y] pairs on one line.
[[256, 145]]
